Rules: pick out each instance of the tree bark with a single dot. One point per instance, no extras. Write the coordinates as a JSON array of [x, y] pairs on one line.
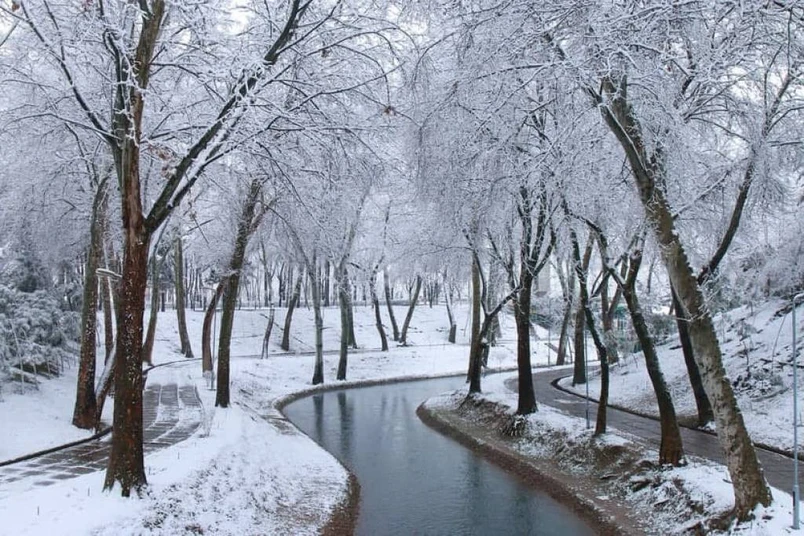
[[206, 331], [526, 403], [671, 449], [403, 337], [473, 375], [704, 406], [344, 299], [150, 334], [750, 487], [85, 400], [579, 366], [453, 328], [178, 262], [375, 302], [318, 369], [249, 220], [294, 301], [267, 336], [388, 299]]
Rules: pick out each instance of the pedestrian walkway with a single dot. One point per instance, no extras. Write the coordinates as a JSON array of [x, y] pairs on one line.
[[778, 468], [171, 413]]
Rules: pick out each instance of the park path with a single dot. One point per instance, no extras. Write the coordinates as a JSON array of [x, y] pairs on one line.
[[778, 468], [171, 413]]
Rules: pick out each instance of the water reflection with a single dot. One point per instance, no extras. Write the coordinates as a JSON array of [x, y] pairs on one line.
[[415, 481]]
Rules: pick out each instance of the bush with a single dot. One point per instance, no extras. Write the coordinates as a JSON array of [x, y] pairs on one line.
[[34, 330]]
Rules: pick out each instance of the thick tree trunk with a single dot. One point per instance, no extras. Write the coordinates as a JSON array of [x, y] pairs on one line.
[[375, 302], [292, 304], [473, 375], [388, 299], [178, 260], [206, 330], [126, 465], [403, 337], [750, 487], [527, 397], [705, 413], [150, 334], [85, 400]]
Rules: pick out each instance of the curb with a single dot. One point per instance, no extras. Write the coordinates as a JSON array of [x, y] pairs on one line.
[[763, 446], [106, 431]]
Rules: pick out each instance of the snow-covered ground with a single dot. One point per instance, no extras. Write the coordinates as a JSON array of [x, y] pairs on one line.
[[245, 471], [678, 498], [757, 350]]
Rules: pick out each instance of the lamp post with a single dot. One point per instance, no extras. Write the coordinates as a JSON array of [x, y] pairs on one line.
[[796, 299]]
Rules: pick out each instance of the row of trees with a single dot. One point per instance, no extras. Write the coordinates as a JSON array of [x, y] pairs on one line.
[[451, 143]]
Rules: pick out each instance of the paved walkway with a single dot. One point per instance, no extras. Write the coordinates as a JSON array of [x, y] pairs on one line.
[[171, 413], [778, 469]]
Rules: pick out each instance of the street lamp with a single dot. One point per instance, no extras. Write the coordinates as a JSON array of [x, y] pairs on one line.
[[796, 299]]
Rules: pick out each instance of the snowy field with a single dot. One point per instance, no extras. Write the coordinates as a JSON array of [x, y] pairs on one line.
[[757, 350], [245, 471]]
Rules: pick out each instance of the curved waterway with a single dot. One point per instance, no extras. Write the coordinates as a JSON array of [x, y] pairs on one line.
[[413, 480]]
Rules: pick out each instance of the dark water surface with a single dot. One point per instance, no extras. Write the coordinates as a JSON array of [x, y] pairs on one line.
[[414, 480]]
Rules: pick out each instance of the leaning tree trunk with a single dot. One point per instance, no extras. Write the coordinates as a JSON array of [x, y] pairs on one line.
[[292, 304], [245, 227], [184, 338], [85, 400], [403, 337], [561, 353], [150, 334], [387, 287], [266, 339], [375, 302], [704, 406], [671, 449], [108, 298], [750, 486], [206, 330]]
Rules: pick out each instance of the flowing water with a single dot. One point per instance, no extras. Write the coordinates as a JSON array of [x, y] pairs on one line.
[[413, 480]]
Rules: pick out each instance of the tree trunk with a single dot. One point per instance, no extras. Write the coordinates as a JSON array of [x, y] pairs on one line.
[[247, 224], [126, 465], [343, 300], [375, 302], [85, 400], [267, 337], [750, 487], [473, 375], [579, 365], [403, 338], [206, 331], [388, 299], [326, 283], [705, 413], [561, 353], [318, 369], [527, 397], [294, 301], [108, 311], [453, 328], [150, 335], [178, 261], [671, 448]]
